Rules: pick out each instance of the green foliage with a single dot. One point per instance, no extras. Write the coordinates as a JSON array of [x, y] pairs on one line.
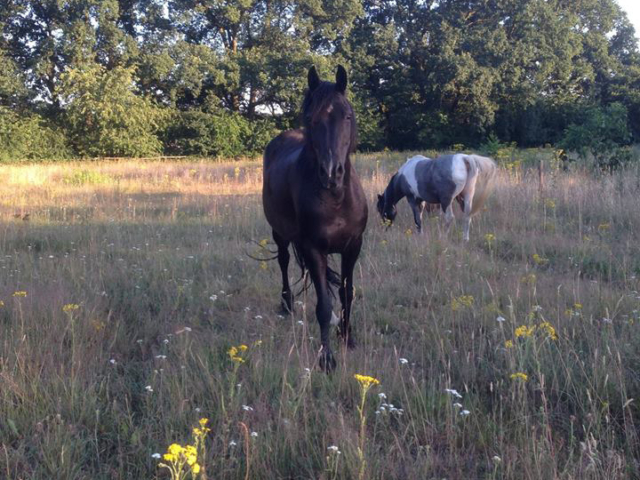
[[422, 74], [217, 134], [29, 137], [601, 133], [106, 117]]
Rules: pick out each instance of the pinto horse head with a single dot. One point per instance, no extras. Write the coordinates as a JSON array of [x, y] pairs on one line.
[[387, 210], [330, 126]]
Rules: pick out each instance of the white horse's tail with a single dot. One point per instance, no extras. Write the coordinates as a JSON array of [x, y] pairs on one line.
[[485, 169]]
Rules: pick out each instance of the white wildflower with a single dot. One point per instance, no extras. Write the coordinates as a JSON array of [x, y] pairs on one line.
[[453, 391]]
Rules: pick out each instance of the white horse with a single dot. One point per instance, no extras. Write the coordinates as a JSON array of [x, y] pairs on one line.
[[467, 178]]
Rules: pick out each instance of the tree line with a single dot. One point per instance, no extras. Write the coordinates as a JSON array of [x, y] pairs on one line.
[[219, 77]]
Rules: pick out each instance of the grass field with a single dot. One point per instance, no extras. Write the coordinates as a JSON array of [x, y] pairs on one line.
[[124, 285]]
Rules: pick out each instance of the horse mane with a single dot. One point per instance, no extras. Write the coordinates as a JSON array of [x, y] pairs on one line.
[[318, 100]]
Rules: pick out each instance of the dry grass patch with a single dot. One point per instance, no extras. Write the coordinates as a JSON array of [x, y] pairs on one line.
[[533, 325]]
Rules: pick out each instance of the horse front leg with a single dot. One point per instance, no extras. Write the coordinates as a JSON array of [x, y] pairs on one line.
[[283, 262], [447, 208], [417, 206], [349, 259], [316, 262]]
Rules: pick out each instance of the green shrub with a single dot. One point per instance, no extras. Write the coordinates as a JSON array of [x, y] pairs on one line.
[[29, 137], [105, 115], [218, 134], [601, 134]]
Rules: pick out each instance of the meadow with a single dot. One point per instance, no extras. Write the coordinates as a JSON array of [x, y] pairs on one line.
[[125, 285]]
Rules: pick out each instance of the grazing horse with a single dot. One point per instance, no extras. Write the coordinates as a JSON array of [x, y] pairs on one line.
[[313, 199], [467, 178]]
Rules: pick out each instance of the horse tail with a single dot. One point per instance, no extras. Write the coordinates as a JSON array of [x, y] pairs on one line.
[[333, 277], [485, 168]]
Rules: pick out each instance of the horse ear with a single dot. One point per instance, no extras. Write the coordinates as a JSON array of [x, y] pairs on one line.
[[341, 79], [313, 78]]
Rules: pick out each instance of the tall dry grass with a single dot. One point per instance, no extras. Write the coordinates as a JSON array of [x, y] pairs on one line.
[[155, 255]]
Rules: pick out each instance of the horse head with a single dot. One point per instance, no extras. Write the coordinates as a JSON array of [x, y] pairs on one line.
[[387, 210], [330, 126]]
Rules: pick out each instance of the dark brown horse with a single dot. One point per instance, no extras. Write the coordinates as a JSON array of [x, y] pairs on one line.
[[313, 199]]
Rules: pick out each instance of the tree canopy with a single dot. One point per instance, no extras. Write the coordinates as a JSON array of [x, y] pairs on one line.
[[219, 77]]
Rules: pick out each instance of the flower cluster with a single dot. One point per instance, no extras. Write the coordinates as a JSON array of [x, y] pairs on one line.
[[538, 260], [179, 458], [464, 301], [490, 238], [182, 460], [70, 307], [544, 328], [575, 311], [200, 432], [366, 382], [520, 376], [235, 353], [529, 279]]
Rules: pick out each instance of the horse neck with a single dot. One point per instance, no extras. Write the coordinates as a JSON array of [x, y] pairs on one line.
[[393, 192]]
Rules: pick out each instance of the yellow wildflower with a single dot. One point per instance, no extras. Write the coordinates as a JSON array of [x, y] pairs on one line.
[[524, 331], [539, 260], [549, 203], [508, 344], [70, 307], [548, 328], [203, 421], [195, 468], [519, 376], [175, 449], [366, 381], [529, 279], [20, 294], [235, 352], [489, 238], [464, 301]]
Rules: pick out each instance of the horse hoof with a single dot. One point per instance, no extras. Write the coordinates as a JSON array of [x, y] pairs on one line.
[[326, 362], [286, 305], [348, 340], [285, 310]]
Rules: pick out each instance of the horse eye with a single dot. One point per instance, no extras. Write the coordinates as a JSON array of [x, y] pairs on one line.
[[348, 117]]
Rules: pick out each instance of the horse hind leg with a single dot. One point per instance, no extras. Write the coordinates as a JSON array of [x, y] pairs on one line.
[[468, 193], [349, 259], [283, 262]]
